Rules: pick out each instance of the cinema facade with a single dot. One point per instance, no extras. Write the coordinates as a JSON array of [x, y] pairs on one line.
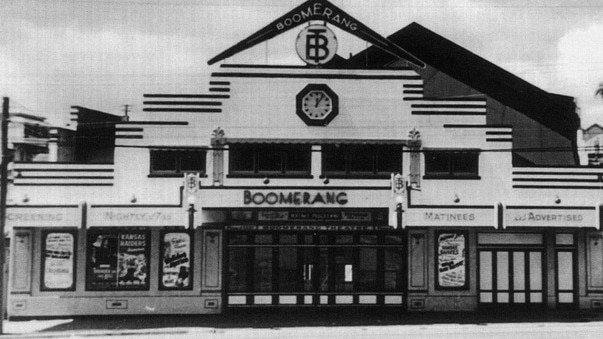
[[411, 175]]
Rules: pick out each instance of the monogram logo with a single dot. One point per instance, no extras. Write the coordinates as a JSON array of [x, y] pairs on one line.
[[316, 45]]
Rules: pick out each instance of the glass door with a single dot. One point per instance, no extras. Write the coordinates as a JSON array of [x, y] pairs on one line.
[[510, 277]]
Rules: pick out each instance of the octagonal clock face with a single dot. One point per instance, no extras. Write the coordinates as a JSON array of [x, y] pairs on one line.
[[317, 105]]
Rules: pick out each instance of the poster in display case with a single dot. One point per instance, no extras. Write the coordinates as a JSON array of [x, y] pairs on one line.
[[451, 256], [58, 261], [176, 261], [118, 260]]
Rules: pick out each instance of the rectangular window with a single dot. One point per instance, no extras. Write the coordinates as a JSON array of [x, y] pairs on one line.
[[392, 275], [451, 256], [361, 160], [237, 270], [175, 269], [266, 160], [58, 261], [288, 274], [367, 269], [262, 268], [177, 162], [118, 260], [451, 164]]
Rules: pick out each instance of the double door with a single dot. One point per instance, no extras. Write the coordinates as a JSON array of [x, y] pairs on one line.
[[511, 277]]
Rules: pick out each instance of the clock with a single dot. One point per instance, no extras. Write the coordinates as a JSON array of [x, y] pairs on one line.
[[317, 105]]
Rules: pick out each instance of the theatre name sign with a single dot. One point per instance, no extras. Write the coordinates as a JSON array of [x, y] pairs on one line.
[[302, 198]]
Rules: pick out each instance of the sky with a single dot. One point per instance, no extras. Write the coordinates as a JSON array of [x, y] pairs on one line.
[[104, 54]]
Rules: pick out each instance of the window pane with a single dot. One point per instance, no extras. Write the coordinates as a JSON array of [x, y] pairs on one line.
[[263, 238], [237, 270], [165, 161], [344, 269], [193, 161], [392, 239], [368, 239], [502, 265], [323, 268], [235, 239], [333, 159], [367, 269], [241, 158], [389, 159], [344, 239], [270, 160], [361, 159], [288, 239], [262, 268], [465, 163], [437, 163], [309, 268], [287, 270], [298, 158], [393, 269]]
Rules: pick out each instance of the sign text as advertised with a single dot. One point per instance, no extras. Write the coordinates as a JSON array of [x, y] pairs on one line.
[[546, 217]]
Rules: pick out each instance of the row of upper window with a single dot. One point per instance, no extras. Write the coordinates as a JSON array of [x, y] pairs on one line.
[[338, 161]]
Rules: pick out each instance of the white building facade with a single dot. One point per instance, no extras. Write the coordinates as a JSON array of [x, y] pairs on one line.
[[307, 186]]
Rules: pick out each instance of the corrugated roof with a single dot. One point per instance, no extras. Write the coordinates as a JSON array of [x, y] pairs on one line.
[[557, 112]]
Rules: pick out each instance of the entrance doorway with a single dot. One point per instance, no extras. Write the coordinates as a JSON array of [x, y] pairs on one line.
[[315, 268]]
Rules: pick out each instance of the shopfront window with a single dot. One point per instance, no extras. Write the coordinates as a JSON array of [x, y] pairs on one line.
[[392, 271], [58, 261], [118, 260], [262, 268], [287, 269], [237, 270], [176, 261], [367, 269], [314, 262]]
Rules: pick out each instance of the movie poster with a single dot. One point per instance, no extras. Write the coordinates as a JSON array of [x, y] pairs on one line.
[[176, 261], [118, 261], [132, 256], [102, 267], [451, 260], [58, 261]]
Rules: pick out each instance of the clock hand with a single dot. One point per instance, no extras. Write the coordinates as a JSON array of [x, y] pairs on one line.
[[319, 99]]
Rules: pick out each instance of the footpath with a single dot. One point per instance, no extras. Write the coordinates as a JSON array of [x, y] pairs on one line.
[[173, 325]]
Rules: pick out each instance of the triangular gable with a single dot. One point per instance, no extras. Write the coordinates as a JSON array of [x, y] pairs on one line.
[[325, 11]]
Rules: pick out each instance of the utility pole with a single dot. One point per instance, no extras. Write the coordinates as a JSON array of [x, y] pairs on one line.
[[3, 187]]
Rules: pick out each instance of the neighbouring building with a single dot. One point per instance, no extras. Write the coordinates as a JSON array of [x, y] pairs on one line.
[[592, 145], [413, 175]]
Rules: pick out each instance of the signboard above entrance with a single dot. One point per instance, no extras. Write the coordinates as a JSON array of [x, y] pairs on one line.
[[321, 10]]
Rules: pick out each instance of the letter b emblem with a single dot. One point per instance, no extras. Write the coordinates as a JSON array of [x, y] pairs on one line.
[[316, 45]]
